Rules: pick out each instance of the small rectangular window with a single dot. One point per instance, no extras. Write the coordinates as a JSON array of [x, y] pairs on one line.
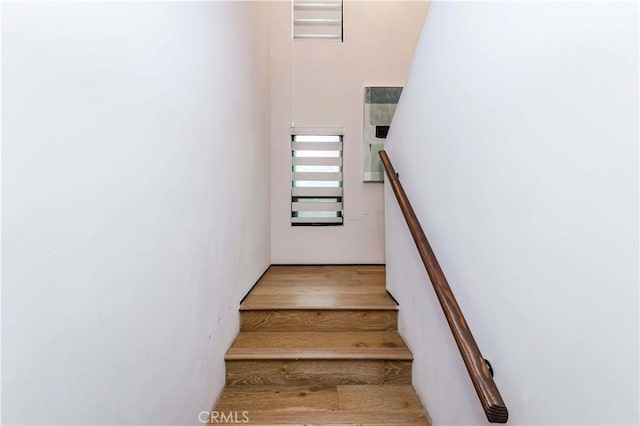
[[316, 182], [318, 19]]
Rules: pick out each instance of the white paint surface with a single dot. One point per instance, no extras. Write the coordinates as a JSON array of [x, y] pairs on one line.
[[517, 142], [327, 91], [135, 204]]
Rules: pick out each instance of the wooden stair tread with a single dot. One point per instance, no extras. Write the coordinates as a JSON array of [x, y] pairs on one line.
[[350, 404], [319, 345], [340, 418], [278, 397], [377, 398], [309, 398]]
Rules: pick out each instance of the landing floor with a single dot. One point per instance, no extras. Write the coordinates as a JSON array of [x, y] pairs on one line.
[[321, 287]]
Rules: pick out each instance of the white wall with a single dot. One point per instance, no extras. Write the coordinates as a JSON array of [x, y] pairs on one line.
[[516, 139], [135, 204], [328, 91]]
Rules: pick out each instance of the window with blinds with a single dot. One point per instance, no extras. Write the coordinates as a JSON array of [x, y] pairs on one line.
[[316, 183], [318, 19]]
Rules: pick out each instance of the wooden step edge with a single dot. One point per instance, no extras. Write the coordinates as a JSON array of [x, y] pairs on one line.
[[382, 354], [272, 307]]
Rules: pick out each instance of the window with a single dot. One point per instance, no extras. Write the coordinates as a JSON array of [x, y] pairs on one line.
[[318, 19], [316, 183]]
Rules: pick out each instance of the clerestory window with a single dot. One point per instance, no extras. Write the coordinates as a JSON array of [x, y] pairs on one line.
[[318, 19]]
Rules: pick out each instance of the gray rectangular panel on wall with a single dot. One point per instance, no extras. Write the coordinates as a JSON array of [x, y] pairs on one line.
[[379, 107]]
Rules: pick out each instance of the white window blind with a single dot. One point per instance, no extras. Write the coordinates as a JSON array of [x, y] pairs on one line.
[[316, 182], [318, 19]]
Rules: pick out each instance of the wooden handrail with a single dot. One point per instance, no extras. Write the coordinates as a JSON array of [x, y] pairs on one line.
[[481, 376]]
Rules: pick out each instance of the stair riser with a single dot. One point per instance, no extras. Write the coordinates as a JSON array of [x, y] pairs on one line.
[[318, 320], [318, 372]]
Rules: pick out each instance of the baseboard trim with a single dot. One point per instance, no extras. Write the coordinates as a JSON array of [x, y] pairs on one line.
[[255, 284], [328, 264]]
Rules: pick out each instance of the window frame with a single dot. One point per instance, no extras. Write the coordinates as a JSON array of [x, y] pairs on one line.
[[317, 178]]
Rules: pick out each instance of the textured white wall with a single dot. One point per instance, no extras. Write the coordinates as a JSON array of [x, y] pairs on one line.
[[135, 204], [328, 91], [516, 139]]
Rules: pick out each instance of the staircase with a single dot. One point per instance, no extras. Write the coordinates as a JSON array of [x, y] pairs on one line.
[[319, 345]]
